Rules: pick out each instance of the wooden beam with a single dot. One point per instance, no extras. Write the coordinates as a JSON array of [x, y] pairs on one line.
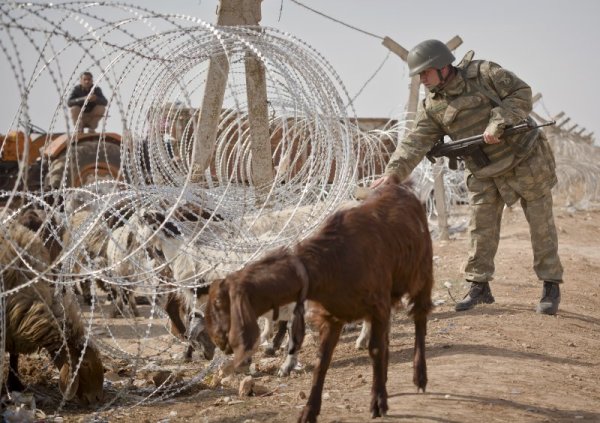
[[536, 98], [558, 116], [538, 117], [563, 122], [454, 42], [395, 48], [572, 128]]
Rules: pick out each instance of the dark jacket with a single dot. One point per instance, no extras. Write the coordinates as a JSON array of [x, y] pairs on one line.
[[78, 96]]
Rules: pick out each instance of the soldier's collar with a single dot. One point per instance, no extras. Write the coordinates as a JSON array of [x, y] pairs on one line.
[[455, 87]]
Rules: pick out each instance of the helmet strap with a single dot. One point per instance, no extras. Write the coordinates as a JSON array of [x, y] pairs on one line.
[[444, 81]]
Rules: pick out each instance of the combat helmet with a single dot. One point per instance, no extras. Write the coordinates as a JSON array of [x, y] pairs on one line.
[[428, 54]]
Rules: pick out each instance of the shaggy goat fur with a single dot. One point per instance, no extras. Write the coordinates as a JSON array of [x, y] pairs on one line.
[[361, 263], [39, 316]]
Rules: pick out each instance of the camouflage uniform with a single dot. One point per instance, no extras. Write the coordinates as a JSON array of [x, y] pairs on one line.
[[483, 96]]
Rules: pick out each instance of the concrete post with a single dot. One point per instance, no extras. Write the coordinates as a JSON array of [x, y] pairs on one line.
[[258, 115], [229, 13]]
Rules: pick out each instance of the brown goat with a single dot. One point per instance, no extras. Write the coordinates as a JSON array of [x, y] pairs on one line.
[[361, 263]]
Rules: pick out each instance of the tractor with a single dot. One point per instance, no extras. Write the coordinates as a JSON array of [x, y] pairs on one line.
[[43, 157]]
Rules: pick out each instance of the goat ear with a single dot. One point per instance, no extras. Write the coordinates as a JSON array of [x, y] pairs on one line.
[[243, 331], [63, 382]]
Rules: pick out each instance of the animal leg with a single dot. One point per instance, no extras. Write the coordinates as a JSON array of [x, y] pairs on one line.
[[172, 308], [130, 297], [116, 296], [362, 342], [329, 332], [421, 309], [419, 363], [267, 331], [13, 383], [274, 346], [379, 352], [291, 360]]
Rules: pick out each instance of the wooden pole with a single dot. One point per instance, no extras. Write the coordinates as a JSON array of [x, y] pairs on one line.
[[439, 191]]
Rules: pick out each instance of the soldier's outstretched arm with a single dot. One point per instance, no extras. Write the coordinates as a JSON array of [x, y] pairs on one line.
[[413, 147]]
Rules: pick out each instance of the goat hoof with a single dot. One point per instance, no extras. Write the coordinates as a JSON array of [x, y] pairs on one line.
[[283, 372], [420, 382], [361, 344], [379, 407], [208, 353], [307, 415]]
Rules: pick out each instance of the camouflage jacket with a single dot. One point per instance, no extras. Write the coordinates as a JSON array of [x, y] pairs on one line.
[[482, 96]]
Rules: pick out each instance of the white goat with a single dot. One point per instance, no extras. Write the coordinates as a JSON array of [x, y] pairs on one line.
[[179, 254]]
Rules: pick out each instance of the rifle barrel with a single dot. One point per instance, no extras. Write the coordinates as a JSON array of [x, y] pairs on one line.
[[445, 149]]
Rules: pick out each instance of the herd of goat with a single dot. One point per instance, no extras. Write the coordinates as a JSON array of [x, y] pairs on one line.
[[361, 262]]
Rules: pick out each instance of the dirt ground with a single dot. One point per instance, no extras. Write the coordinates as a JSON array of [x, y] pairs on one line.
[[500, 362]]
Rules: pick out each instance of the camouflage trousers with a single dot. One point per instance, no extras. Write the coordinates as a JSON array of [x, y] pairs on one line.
[[531, 184]]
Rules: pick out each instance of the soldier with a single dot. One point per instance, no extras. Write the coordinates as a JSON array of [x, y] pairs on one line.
[[93, 110], [471, 98]]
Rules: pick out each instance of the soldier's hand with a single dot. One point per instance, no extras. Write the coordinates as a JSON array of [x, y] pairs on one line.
[[490, 139]]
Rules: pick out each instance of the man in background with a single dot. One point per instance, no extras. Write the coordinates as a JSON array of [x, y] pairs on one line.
[[87, 105]]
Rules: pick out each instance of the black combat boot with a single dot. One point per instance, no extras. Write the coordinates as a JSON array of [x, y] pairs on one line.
[[550, 298], [480, 293]]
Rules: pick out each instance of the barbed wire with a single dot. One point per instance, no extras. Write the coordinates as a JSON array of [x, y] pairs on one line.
[[331, 18], [156, 68], [359, 92]]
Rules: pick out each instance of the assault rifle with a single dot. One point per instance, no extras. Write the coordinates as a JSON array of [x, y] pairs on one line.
[[472, 146]]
